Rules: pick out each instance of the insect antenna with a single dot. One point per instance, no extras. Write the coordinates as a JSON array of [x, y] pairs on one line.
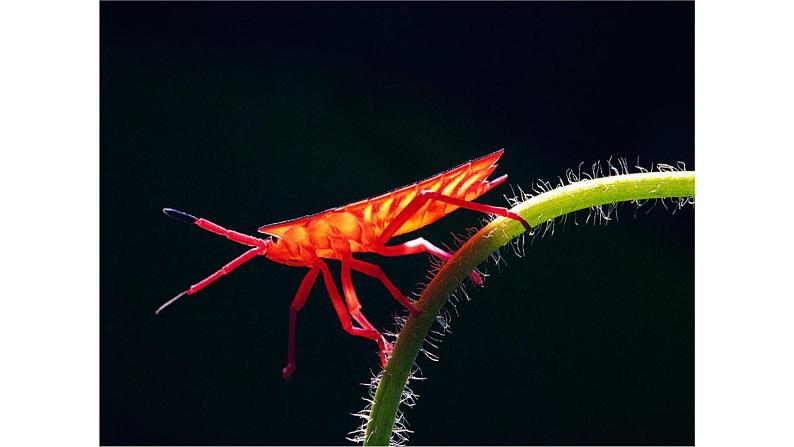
[[179, 215], [168, 303], [258, 247]]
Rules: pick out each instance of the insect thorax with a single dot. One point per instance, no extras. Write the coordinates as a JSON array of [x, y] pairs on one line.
[[331, 236]]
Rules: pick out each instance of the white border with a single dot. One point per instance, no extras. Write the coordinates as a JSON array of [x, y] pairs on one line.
[[49, 183], [744, 315]]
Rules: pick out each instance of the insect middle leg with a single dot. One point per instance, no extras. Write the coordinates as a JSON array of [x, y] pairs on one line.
[[421, 245], [354, 307], [374, 271], [368, 331]]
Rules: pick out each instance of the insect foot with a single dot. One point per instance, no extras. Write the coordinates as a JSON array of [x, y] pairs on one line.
[[286, 373], [412, 310], [385, 350], [476, 277]]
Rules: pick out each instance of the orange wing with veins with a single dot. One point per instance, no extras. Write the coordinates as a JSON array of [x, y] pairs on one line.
[[465, 182]]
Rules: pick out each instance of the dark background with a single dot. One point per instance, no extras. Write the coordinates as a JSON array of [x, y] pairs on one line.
[[248, 114]]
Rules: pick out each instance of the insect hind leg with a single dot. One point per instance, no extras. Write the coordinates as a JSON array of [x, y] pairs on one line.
[[420, 245], [426, 195]]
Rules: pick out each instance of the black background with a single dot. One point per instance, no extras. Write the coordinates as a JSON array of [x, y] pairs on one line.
[[248, 114]]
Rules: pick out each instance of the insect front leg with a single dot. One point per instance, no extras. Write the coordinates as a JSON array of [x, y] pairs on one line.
[[297, 304]]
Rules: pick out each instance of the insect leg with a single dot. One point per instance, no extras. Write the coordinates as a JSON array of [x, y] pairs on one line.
[[354, 306], [416, 204], [342, 311], [376, 272], [474, 206], [421, 245], [236, 262], [297, 304]]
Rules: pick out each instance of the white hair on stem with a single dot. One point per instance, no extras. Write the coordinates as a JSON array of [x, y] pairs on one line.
[[599, 215]]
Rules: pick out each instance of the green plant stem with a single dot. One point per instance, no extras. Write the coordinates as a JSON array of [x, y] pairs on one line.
[[499, 232]]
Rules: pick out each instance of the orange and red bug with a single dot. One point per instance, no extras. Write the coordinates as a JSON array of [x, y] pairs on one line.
[[364, 226]]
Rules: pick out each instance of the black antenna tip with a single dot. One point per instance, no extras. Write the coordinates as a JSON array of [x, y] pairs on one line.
[[179, 215]]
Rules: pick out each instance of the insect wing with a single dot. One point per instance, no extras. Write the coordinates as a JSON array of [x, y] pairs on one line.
[[467, 181]]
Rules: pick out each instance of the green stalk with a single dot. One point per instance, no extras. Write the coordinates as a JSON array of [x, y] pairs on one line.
[[499, 232]]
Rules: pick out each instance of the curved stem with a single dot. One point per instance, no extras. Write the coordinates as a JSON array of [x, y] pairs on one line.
[[499, 232]]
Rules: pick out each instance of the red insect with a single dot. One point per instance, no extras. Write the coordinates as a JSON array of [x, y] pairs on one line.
[[364, 226]]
